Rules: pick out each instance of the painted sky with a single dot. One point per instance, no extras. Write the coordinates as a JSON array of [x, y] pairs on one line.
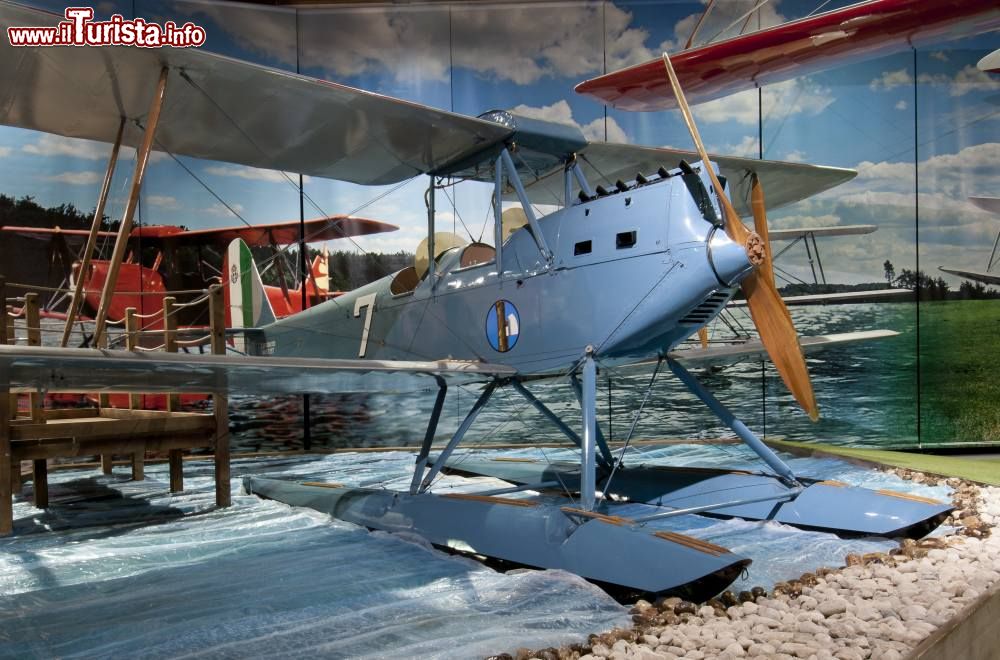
[[473, 58]]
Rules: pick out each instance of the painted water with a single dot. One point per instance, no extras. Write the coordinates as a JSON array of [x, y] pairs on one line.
[[866, 392]]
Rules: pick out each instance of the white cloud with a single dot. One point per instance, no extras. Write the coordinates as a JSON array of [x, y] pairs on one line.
[[748, 147], [795, 156], [56, 145], [5, 151], [723, 15], [939, 55], [163, 201], [901, 105], [560, 112], [77, 178], [250, 173], [966, 80], [792, 97], [971, 79], [221, 211], [519, 43], [952, 231], [891, 80], [969, 172]]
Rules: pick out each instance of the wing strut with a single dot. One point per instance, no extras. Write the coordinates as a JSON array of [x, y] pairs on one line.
[[141, 160], [95, 227]]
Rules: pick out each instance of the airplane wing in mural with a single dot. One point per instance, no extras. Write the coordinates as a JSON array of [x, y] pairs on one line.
[[832, 39], [975, 276]]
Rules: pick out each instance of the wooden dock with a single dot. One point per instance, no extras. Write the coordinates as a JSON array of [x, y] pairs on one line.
[[36, 434]]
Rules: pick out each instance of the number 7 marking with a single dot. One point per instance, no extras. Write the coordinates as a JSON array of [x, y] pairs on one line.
[[369, 302]]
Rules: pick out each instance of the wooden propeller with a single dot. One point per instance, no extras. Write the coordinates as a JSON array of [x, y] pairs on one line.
[[768, 310]]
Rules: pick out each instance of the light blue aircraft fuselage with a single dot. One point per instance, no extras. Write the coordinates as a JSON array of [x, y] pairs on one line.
[[632, 274]]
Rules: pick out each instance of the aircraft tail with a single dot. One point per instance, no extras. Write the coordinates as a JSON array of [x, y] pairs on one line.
[[248, 305]]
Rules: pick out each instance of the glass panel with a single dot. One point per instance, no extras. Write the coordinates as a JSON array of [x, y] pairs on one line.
[[959, 157]]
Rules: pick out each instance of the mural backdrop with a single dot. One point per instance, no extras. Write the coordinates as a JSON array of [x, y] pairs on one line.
[[920, 127]]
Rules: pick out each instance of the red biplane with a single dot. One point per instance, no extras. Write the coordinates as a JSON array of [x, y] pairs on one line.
[[157, 265]]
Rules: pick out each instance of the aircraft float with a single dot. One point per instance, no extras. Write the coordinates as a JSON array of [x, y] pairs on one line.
[[623, 273]]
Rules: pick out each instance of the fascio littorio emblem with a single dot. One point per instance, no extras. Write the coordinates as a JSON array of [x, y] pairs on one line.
[[503, 326]]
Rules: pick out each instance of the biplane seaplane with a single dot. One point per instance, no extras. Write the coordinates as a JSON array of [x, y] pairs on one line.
[[167, 258], [618, 276]]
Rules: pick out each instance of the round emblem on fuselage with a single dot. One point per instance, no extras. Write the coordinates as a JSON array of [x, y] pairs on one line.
[[503, 326]]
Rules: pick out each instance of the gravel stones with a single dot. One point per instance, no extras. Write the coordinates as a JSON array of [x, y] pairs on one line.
[[875, 606]]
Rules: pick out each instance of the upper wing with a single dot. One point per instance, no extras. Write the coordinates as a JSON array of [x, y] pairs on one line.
[[278, 233], [976, 276], [224, 109], [838, 230], [605, 163], [93, 370], [857, 32]]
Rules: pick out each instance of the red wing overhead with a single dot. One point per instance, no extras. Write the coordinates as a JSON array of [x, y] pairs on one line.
[[832, 39], [278, 233]]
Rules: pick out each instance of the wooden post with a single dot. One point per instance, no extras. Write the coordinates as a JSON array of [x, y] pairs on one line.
[[134, 398], [217, 314], [40, 482], [6, 466], [173, 401], [103, 398], [3, 308], [131, 342], [103, 401], [7, 329], [33, 321], [6, 493], [95, 227], [121, 242]]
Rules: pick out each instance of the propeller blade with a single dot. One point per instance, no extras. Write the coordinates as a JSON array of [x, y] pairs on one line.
[[777, 333], [760, 226], [770, 315]]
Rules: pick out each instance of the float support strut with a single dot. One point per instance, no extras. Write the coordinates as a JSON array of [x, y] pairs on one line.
[[442, 459], [602, 444], [432, 425], [588, 405], [730, 420], [604, 459]]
